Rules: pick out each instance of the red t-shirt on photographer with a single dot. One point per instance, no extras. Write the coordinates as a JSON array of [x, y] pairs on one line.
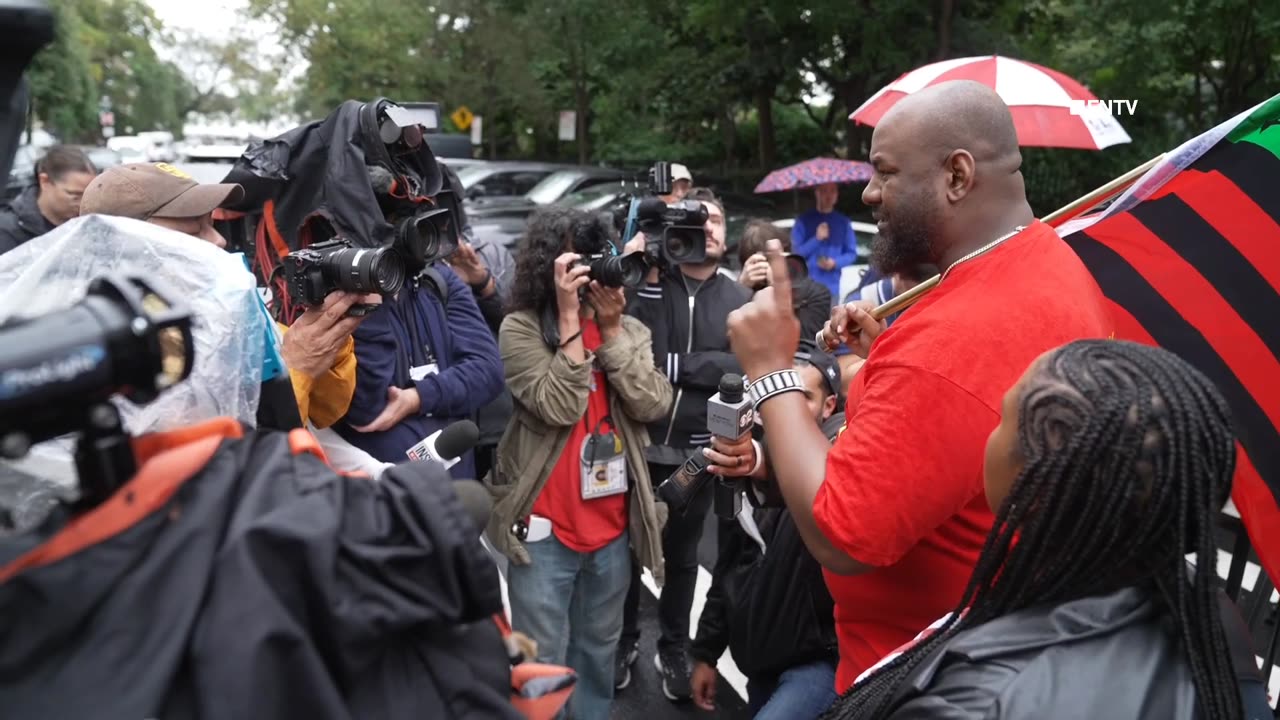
[[583, 525]]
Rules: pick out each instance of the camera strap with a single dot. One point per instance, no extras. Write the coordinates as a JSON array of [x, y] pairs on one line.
[[436, 283], [630, 230]]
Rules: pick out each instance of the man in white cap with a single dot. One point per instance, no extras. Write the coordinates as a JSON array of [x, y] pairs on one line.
[[681, 183]]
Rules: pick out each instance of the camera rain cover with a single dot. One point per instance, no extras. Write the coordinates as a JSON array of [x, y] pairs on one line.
[[322, 167], [53, 272]]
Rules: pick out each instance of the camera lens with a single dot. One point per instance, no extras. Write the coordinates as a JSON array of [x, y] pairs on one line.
[[626, 271], [425, 238], [683, 244], [366, 271]]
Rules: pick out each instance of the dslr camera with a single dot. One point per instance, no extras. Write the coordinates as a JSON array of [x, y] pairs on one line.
[[617, 270], [314, 272], [597, 251], [337, 264]]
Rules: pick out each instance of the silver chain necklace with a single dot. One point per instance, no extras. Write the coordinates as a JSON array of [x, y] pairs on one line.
[[982, 250]]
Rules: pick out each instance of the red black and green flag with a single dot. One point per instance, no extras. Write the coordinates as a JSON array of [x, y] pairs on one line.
[[1189, 259]]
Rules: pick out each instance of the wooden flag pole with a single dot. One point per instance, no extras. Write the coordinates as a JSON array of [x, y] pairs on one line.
[[908, 298]]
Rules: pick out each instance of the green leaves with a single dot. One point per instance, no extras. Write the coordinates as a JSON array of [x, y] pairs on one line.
[[103, 49]]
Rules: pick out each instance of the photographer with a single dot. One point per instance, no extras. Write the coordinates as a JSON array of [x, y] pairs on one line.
[[486, 267], [686, 308], [573, 488], [424, 361], [812, 299], [768, 602], [317, 348], [489, 270]]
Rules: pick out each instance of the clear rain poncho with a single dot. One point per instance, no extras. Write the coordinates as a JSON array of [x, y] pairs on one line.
[[229, 327]]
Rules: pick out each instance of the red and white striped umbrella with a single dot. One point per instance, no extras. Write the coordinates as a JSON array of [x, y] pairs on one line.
[[1048, 107]]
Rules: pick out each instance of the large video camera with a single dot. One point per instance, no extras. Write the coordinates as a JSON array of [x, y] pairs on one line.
[[335, 263], [675, 233], [59, 371]]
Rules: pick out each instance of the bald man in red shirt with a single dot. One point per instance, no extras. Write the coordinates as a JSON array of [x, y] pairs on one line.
[[895, 510]]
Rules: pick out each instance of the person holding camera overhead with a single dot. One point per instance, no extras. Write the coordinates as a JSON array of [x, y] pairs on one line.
[[686, 307], [811, 299], [573, 493]]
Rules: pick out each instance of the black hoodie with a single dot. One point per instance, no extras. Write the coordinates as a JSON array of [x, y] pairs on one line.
[[771, 608], [689, 323], [238, 577]]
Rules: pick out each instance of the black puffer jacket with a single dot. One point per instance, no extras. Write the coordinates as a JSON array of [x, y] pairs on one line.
[[771, 609], [21, 220], [241, 578], [1111, 657], [688, 320]]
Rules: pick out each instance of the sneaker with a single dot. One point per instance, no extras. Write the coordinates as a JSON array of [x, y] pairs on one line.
[[673, 667], [622, 665]]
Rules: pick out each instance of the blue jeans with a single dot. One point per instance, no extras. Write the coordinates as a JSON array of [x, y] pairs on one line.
[[802, 693], [570, 603]]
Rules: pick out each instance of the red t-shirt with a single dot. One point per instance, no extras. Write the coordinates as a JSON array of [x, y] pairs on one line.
[[904, 489], [583, 525]]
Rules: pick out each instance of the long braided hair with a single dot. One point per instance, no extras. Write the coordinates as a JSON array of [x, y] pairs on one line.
[[1127, 456]]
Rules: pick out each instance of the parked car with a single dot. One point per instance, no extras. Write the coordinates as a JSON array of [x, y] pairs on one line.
[[447, 146], [102, 157], [503, 179], [569, 180], [22, 173], [459, 163], [550, 190], [132, 149]]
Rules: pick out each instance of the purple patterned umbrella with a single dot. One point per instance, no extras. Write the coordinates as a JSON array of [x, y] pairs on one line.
[[815, 172]]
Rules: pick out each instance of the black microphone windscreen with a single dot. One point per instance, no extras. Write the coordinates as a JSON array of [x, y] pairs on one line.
[[381, 179], [651, 207], [457, 439], [475, 499]]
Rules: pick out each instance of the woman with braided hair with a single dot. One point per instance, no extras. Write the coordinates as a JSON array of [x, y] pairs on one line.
[[1109, 466]]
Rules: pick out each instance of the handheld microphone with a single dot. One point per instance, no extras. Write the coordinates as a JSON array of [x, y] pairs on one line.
[[729, 415], [448, 445]]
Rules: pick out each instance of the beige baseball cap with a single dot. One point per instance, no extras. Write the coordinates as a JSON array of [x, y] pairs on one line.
[[145, 190], [680, 172]]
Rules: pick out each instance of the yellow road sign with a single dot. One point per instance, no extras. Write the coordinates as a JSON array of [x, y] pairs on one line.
[[462, 117]]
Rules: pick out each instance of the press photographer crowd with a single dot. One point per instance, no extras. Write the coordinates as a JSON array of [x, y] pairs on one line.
[[354, 463]]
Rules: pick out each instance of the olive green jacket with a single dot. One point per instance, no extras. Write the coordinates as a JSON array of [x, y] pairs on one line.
[[550, 396]]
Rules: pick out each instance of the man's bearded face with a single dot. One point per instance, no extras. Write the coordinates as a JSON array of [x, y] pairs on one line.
[[906, 218]]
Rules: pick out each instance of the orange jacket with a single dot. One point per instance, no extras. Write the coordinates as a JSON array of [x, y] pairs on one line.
[[324, 400]]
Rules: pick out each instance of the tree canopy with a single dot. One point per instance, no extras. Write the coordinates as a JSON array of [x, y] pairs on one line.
[[738, 88], [732, 88]]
